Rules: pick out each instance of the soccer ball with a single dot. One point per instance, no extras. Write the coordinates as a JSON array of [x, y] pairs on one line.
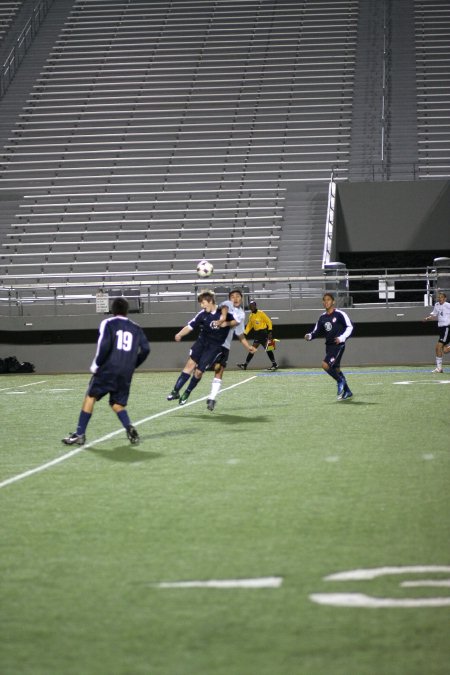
[[204, 269]]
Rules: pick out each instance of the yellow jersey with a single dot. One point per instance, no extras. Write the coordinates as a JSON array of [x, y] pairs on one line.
[[258, 321]]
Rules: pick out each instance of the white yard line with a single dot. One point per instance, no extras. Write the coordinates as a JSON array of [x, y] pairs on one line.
[[76, 451], [21, 386]]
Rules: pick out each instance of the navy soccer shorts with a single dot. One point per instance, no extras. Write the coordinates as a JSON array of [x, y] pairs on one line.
[[334, 354], [222, 358], [444, 334], [205, 355], [118, 388]]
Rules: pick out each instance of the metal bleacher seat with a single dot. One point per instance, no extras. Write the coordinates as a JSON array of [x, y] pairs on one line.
[[432, 24], [8, 12], [160, 134]]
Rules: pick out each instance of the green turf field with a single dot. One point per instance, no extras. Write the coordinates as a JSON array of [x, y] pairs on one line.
[[281, 484]]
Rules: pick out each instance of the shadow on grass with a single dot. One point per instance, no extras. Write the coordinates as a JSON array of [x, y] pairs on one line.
[[224, 418], [352, 402], [130, 454], [126, 454]]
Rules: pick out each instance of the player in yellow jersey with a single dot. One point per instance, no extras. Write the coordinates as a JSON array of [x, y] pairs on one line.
[[261, 325]]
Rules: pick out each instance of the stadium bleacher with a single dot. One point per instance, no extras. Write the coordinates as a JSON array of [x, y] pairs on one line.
[[159, 134]]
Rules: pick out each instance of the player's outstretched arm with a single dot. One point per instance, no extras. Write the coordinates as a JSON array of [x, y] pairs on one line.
[[182, 333], [246, 344]]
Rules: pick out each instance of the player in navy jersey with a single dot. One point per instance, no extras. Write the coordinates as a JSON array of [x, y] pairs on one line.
[[122, 346], [335, 326], [214, 325]]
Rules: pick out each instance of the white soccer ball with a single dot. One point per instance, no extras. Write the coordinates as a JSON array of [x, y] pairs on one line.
[[204, 269]]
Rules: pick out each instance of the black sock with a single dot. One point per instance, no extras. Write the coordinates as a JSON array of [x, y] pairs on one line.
[[192, 384], [182, 379]]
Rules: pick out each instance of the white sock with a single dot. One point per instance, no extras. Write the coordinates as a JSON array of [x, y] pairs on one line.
[[439, 362], [215, 388]]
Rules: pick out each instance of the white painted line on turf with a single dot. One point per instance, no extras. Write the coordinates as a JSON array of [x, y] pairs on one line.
[[22, 386], [423, 382], [375, 572], [258, 582], [362, 600], [372, 601], [76, 451], [439, 583]]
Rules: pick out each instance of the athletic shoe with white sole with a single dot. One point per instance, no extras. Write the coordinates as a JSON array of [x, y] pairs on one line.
[[173, 395], [132, 435], [273, 367], [74, 439], [242, 366], [184, 397], [437, 370]]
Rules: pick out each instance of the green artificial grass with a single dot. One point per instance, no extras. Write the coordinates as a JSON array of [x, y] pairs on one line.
[[280, 480]]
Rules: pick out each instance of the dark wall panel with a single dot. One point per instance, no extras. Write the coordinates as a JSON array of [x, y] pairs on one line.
[[393, 216]]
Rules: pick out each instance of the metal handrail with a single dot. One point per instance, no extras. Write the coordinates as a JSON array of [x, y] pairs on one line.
[[22, 44]]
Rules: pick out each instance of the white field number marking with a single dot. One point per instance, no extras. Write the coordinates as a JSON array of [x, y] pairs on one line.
[[258, 582], [350, 599]]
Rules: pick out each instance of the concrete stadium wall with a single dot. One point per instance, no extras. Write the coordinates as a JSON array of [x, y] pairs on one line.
[[77, 358], [382, 336]]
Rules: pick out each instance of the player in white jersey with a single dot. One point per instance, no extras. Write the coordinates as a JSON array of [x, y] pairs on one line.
[[441, 313], [234, 307]]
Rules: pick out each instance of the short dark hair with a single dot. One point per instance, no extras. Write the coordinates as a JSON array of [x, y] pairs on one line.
[[330, 295], [235, 290], [120, 306]]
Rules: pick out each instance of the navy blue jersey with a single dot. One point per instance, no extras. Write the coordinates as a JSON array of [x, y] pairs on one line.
[[122, 346], [204, 320], [331, 326]]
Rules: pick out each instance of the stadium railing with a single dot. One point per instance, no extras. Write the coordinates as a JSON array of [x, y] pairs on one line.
[[355, 288]]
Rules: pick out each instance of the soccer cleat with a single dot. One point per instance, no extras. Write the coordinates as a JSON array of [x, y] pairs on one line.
[[437, 370], [132, 435], [184, 397], [242, 366], [273, 367], [210, 404], [173, 395], [347, 394], [74, 439]]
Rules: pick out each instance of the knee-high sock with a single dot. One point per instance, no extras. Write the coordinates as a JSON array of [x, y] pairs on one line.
[[215, 388], [83, 421], [123, 417], [332, 373], [192, 384], [181, 381]]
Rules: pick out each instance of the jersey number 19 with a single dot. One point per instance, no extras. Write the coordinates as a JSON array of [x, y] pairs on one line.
[[124, 340]]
